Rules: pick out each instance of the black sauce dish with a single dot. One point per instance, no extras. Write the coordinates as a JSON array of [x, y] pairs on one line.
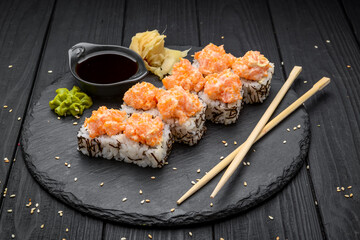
[[92, 65]]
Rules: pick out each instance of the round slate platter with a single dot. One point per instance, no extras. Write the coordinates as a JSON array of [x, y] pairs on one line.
[[273, 164]]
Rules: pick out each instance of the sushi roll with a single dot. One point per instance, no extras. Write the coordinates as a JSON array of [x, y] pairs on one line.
[[185, 113], [142, 97], [213, 59], [141, 139], [186, 76], [223, 97], [255, 72]]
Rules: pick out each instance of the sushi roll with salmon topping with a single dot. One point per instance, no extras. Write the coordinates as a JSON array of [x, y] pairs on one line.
[[223, 97], [185, 113], [142, 97], [141, 139], [185, 75], [213, 59], [255, 72]]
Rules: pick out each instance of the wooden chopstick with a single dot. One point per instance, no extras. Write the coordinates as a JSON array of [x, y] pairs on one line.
[[226, 161], [259, 126]]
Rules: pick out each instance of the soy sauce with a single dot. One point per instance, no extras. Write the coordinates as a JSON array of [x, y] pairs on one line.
[[106, 68]]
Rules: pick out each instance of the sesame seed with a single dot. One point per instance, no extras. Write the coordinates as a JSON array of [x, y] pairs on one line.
[[42, 226], [32, 210], [282, 63], [75, 179], [192, 55], [248, 163], [288, 129], [245, 184], [222, 157], [193, 183], [222, 238], [147, 200], [12, 235], [6, 160], [338, 189], [254, 150], [58, 118], [198, 171], [172, 210], [316, 203], [244, 163], [153, 177], [38, 211], [140, 191], [223, 141], [235, 142], [284, 141], [327, 41], [124, 199], [9, 210], [271, 217], [36, 205], [50, 71], [307, 167], [5, 106], [66, 163], [225, 144], [347, 196], [299, 126], [10, 66], [66, 230], [10, 110], [19, 118], [222, 37], [142, 201], [190, 233], [315, 46], [342, 188], [101, 184], [77, 117], [166, 163], [123, 238], [349, 187], [277, 238], [74, 123], [318, 125], [348, 66], [149, 235], [57, 158], [12, 195], [211, 204], [69, 165], [198, 179], [351, 195], [305, 81], [294, 128]]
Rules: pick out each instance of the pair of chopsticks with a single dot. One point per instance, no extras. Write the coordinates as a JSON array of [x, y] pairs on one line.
[[259, 131]]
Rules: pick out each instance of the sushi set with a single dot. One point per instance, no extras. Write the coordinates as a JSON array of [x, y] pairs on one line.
[[98, 186]]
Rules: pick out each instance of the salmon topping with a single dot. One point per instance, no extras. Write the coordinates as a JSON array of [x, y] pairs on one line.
[[145, 129], [224, 86], [141, 96], [252, 66], [178, 103], [186, 76], [105, 121], [213, 59]]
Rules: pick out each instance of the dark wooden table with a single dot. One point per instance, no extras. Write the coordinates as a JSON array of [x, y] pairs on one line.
[[321, 36]]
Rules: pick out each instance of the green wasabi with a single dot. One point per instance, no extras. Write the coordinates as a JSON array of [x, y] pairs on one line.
[[72, 102]]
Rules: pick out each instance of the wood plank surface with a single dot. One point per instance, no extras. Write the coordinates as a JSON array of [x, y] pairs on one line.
[[352, 9], [334, 113], [22, 31], [243, 29], [73, 22]]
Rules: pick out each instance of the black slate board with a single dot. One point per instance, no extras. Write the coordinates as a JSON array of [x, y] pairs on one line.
[[273, 164]]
